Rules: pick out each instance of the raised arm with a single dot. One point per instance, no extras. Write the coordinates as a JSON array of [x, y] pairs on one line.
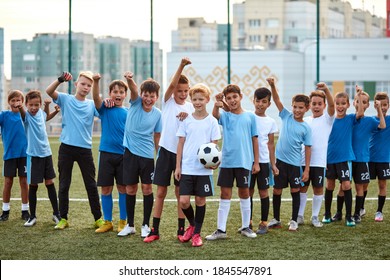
[[96, 91], [360, 109], [50, 115], [382, 122], [275, 94], [51, 90], [175, 80], [329, 98], [218, 104], [22, 111], [132, 85]]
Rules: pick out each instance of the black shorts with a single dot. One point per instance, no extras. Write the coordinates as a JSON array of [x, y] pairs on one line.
[[380, 170], [135, 167], [110, 168], [15, 165], [165, 166], [316, 177], [263, 178], [341, 171], [288, 174], [39, 169], [196, 185], [227, 176], [360, 172]]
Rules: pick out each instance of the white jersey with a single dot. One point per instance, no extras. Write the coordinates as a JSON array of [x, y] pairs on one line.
[[265, 126], [170, 123], [197, 132], [321, 128]]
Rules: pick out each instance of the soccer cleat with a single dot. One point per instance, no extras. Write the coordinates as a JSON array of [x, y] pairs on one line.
[[107, 226], [293, 226], [121, 225], [145, 230], [218, 234], [63, 223], [274, 224], [56, 218], [327, 219], [350, 222], [337, 217], [300, 220], [378, 217], [98, 223], [248, 233], [127, 230], [152, 236], [180, 233], [31, 221], [197, 240], [4, 216], [357, 218], [315, 222], [25, 215], [362, 212], [187, 234], [263, 228]]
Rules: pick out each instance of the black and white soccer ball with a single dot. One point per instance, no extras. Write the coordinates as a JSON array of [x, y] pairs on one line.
[[209, 155]]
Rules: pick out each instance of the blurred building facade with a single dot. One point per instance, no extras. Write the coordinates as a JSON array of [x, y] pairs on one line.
[[3, 99]]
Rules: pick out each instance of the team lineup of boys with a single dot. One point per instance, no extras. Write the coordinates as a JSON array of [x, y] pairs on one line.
[[328, 144]]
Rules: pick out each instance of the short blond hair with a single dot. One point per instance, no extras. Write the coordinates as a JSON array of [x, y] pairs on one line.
[[86, 74], [202, 89]]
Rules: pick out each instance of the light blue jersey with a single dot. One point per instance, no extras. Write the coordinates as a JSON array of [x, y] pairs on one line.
[[13, 135], [362, 133], [238, 130], [379, 143], [140, 128], [293, 135], [77, 120], [37, 141], [113, 129]]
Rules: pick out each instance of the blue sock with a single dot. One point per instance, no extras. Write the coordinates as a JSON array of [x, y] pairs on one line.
[[122, 206], [107, 207]]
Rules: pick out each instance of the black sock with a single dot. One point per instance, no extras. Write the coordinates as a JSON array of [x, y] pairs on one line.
[[264, 208], [130, 207], [52, 194], [276, 200], [156, 224], [190, 215], [381, 202], [340, 203], [180, 226], [199, 218], [32, 199], [358, 204], [251, 200], [364, 199], [328, 203], [348, 203], [296, 200], [148, 206]]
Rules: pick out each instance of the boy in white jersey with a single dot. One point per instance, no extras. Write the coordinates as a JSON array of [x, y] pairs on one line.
[[294, 133], [320, 122], [197, 129], [266, 128], [240, 158], [175, 108]]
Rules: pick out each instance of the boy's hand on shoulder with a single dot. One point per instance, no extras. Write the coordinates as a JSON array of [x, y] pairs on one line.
[[65, 77], [185, 61], [129, 75], [271, 81], [109, 103], [182, 116], [96, 77]]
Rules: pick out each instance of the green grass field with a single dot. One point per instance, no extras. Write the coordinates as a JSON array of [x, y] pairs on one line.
[[368, 240]]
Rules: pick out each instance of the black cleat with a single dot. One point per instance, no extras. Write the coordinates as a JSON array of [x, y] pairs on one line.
[[25, 215], [4, 216], [337, 217]]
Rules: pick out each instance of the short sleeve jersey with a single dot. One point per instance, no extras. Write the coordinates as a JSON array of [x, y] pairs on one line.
[[379, 144], [38, 143], [265, 126], [13, 135], [361, 135]]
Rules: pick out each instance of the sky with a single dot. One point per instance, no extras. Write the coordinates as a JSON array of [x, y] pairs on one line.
[[22, 19]]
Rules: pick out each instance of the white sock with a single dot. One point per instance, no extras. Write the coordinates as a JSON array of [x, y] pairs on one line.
[[223, 213], [6, 206], [25, 207], [245, 206], [302, 205], [317, 202]]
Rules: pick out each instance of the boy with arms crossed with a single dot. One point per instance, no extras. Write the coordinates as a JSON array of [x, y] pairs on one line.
[[175, 107], [320, 123], [111, 150], [240, 153], [39, 156], [142, 134], [197, 129], [14, 145], [294, 133], [266, 127], [78, 114]]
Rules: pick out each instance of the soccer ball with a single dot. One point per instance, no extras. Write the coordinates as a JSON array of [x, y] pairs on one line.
[[209, 155]]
